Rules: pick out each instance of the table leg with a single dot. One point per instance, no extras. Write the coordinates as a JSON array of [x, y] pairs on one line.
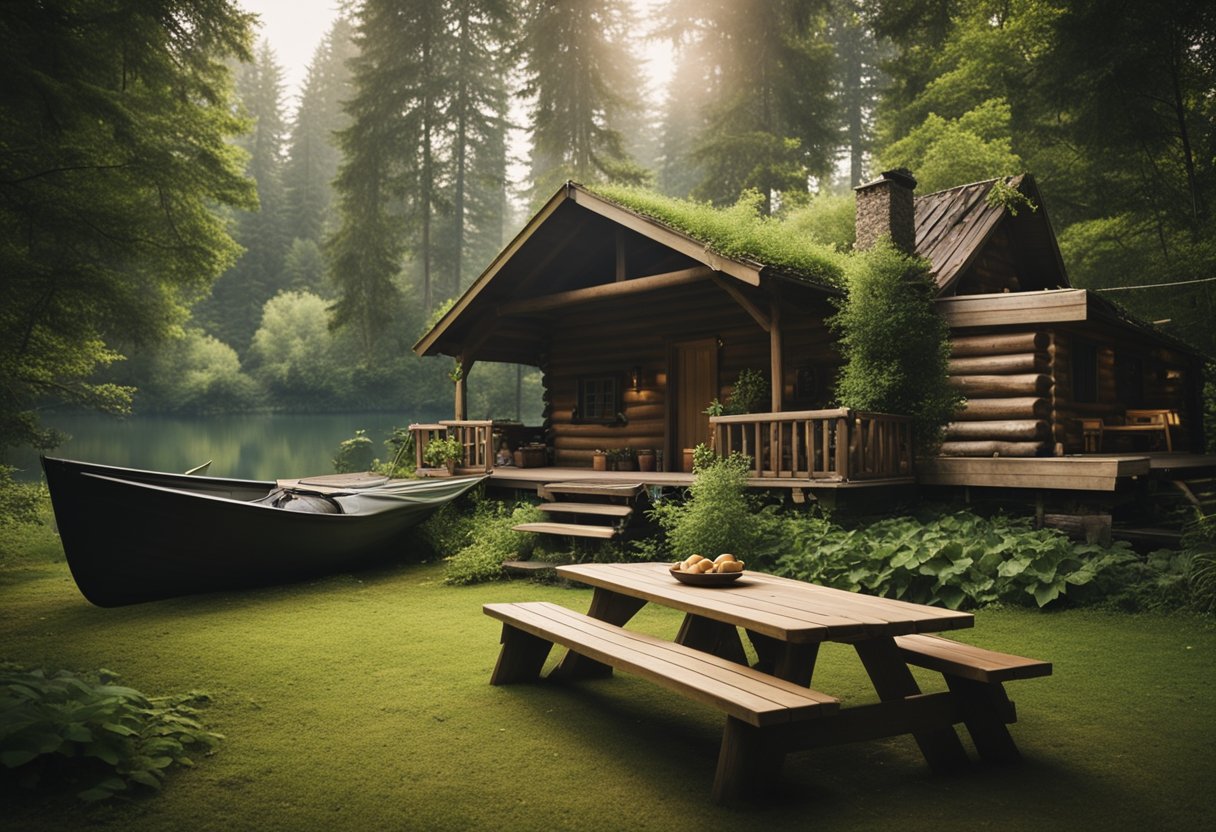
[[609, 606], [986, 709], [792, 662], [893, 680], [711, 636]]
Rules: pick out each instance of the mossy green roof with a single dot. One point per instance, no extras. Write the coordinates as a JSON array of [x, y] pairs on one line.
[[739, 232]]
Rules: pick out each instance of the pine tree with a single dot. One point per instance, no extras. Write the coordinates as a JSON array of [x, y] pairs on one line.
[[477, 118], [581, 75], [312, 153], [234, 310], [771, 120]]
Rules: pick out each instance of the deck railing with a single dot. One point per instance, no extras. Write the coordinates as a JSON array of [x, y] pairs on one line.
[[476, 437], [840, 444]]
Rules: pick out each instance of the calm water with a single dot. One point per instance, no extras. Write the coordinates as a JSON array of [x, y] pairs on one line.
[[253, 446]]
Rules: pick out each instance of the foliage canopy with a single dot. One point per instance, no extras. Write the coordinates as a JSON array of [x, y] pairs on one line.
[[114, 124]]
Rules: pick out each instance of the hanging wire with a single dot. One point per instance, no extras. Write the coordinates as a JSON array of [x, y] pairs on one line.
[[1154, 285]]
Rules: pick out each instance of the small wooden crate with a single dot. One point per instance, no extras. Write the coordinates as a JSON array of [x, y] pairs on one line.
[[531, 456]]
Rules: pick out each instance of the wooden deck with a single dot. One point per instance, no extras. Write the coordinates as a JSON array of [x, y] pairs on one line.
[[1089, 472], [532, 478]]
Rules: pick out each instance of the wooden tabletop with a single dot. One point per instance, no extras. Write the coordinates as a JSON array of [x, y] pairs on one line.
[[781, 608]]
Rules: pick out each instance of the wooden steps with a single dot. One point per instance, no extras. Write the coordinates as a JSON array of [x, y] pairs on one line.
[[599, 509], [593, 488], [1199, 492], [568, 529], [592, 499]]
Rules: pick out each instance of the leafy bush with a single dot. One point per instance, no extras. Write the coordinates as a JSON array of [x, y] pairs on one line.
[[18, 501], [748, 393], [354, 454], [492, 541], [439, 452], [86, 728], [960, 560], [890, 292], [1199, 539], [193, 373], [717, 517]]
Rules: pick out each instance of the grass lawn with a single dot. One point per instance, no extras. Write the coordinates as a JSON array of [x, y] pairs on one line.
[[362, 702]]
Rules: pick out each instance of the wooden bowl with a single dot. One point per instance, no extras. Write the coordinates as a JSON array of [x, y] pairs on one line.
[[705, 578]]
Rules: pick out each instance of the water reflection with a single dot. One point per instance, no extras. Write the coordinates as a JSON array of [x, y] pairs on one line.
[[255, 446]]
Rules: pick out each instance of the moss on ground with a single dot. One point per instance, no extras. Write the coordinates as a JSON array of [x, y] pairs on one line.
[[361, 702]]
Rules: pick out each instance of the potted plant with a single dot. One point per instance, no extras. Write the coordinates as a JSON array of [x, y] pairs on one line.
[[626, 460], [599, 460], [646, 459], [443, 453]]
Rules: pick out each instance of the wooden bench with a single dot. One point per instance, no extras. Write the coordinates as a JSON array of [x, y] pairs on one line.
[[1134, 421], [976, 676], [757, 706]]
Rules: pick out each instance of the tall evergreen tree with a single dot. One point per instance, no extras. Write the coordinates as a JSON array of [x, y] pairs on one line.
[[234, 310], [312, 149], [476, 114], [859, 81], [425, 152], [771, 119], [114, 152], [581, 76]]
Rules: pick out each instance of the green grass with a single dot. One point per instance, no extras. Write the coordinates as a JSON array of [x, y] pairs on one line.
[[362, 702]]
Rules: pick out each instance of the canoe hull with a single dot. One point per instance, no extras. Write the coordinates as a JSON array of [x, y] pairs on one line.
[[132, 536]]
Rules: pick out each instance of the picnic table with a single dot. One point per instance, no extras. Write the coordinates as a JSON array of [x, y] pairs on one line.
[[770, 708]]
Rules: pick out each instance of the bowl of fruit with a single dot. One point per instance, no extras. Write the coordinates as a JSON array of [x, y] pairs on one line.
[[699, 570]]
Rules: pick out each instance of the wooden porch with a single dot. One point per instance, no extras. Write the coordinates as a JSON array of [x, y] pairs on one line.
[[829, 449]]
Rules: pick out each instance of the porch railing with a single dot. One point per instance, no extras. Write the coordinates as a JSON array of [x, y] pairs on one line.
[[840, 444], [476, 437]]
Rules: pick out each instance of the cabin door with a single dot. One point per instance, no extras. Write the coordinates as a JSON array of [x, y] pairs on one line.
[[693, 375]]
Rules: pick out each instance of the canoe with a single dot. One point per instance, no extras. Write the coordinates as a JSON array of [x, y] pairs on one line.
[[132, 536]]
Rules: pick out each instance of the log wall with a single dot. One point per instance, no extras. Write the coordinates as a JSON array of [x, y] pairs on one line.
[[1007, 381], [1019, 389], [612, 337]]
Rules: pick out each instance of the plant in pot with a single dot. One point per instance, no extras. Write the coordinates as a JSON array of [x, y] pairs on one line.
[[599, 460], [443, 453], [646, 459], [627, 460]]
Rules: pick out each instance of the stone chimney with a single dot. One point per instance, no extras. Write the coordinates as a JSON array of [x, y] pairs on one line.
[[884, 206]]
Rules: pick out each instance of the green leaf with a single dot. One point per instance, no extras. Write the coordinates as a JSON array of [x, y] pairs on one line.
[[15, 759], [146, 778], [117, 728]]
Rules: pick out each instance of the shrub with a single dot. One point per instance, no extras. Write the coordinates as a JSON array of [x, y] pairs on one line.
[[717, 516], [438, 452], [354, 454], [890, 292], [491, 542], [960, 560], [110, 736], [1199, 540]]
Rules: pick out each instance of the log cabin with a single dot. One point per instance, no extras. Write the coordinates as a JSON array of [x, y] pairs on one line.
[[638, 327]]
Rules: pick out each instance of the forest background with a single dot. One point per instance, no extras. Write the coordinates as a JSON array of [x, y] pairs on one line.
[[177, 237]]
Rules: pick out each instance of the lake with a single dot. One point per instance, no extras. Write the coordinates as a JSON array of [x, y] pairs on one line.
[[243, 446]]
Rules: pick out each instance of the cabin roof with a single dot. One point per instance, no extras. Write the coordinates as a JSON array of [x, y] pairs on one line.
[[953, 226], [574, 250]]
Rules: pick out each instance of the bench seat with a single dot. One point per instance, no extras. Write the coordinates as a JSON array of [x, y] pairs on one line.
[[953, 658], [755, 703], [976, 676]]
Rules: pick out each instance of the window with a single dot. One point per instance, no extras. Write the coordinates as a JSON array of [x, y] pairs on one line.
[[599, 399], [1084, 370], [1129, 380]]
